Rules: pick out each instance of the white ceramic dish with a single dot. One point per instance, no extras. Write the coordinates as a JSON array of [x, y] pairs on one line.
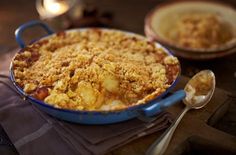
[[162, 19]]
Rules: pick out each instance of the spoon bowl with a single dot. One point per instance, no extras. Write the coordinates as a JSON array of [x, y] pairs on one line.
[[199, 91]]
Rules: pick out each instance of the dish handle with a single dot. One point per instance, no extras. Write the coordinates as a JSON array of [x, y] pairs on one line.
[[33, 23], [163, 104]]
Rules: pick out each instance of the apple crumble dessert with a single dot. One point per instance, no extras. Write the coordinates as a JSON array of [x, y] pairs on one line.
[[200, 30], [94, 69]]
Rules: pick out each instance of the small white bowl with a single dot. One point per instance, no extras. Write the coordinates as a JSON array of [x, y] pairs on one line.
[[162, 19]]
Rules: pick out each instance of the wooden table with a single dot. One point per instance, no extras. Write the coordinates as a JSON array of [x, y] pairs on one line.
[[128, 15]]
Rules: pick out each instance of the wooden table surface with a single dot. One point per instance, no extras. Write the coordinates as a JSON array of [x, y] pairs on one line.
[[128, 15]]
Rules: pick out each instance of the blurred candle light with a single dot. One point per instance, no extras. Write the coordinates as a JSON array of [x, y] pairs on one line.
[[59, 14], [55, 7]]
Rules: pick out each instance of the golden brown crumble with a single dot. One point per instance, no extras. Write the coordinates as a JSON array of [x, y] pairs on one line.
[[200, 30], [94, 70]]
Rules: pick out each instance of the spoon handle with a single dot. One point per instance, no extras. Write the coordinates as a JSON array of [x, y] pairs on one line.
[[160, 145]]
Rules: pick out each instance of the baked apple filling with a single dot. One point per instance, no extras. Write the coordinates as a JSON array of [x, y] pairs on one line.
[[94, 70]]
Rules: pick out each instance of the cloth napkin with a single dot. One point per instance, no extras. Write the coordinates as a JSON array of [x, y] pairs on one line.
[[34, 132]]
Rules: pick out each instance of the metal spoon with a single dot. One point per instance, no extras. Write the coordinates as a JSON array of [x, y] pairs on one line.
[[199, 91]]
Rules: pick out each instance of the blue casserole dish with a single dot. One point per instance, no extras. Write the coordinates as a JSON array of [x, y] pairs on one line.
[[146, 110]]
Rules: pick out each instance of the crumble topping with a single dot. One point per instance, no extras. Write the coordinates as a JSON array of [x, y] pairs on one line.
[[201, 30], [94, 70]]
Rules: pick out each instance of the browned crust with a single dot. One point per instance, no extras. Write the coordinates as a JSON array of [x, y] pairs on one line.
[[129, 97]]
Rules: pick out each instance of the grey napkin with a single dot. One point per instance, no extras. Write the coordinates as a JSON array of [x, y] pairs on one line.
[[34, 132]]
